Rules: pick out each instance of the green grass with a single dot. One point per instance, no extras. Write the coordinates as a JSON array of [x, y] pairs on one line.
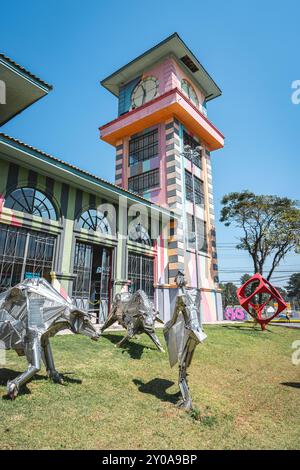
[[245, 389]]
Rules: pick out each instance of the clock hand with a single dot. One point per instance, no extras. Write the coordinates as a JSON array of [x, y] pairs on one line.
[[144, 93]]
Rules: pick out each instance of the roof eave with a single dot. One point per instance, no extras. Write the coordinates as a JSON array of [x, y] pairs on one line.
[[25, 73], [114, 88], [60, 165]]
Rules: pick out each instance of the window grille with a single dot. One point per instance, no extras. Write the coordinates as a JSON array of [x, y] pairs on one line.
[[141, 273], [92, 219], [143, 182], [143, 147], [198, 188], [31, 201], [201, 233], [189, 140], [24, 254]]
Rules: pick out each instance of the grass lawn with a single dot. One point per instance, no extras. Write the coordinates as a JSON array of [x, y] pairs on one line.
[[243, 383]]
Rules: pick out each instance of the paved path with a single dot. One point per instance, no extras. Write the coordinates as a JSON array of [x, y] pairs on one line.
[[287, 325], [158, 325]]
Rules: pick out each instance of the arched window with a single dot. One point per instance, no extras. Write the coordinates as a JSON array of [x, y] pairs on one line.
[[138, 233], [31, 201], [93, 219], [190, 92]]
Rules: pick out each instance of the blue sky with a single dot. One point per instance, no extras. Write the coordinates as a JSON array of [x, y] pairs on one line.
[[250, 48]]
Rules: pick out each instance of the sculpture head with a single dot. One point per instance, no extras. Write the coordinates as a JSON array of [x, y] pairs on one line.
[[81, 324], [180, 279], [150, 316], [146, 308], [14, 298], [192, 305]]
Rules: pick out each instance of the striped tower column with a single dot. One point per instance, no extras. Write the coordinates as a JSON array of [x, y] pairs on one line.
[[174, 197], [119, 163]]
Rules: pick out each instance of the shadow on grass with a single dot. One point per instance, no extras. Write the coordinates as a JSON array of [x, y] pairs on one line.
[[291, 384], [135, 350], [157, 387], [9, 374]]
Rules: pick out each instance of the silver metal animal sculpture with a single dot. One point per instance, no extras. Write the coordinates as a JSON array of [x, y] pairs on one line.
[[136, 313], [30, 313], [182, 334]]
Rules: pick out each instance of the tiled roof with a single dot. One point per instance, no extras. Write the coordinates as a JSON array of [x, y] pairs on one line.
[[23, 70], [80, 170]]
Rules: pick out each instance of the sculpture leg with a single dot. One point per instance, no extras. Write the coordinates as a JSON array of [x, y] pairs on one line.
[[186, 401], [123, 340], [185, 362], [33, 354], [155, 340], [129, 334], [49, 363], [111, 319]]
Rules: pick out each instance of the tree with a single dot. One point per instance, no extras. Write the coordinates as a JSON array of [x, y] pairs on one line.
[[270, 226], [229, 294], [245, 277], [282, 292], [293, 287]]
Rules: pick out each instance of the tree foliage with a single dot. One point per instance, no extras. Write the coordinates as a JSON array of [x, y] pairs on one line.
[[229, 296], [293, 287], [245, 277], [270, 226]]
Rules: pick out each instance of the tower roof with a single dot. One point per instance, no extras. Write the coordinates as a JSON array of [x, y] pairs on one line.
[[171, 45]]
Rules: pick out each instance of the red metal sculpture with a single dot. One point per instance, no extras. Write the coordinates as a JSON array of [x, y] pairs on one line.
[[257, 310]]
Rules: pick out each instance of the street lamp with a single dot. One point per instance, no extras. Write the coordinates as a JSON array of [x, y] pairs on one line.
[[191, 154]]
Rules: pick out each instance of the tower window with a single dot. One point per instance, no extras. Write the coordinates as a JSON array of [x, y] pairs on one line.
[[141, 183], [201, 233], [143, 147], [189, 140], [198, 188]]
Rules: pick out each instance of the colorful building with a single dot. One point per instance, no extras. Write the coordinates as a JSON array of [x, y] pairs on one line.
[[97, 238], [162, 107]]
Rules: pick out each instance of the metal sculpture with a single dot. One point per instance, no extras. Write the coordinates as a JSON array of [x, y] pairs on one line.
[[258, 287], [183, 333], [30, 313], [136, 313]]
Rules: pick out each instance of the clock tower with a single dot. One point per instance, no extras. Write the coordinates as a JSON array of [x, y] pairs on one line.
[[162, 109]]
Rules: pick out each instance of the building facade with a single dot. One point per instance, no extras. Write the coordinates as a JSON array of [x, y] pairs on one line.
[[97, 238], [162, 108], [60, 222]]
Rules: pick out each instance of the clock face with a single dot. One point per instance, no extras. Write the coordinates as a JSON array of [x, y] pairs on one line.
[[145, 91], [190, 92]]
